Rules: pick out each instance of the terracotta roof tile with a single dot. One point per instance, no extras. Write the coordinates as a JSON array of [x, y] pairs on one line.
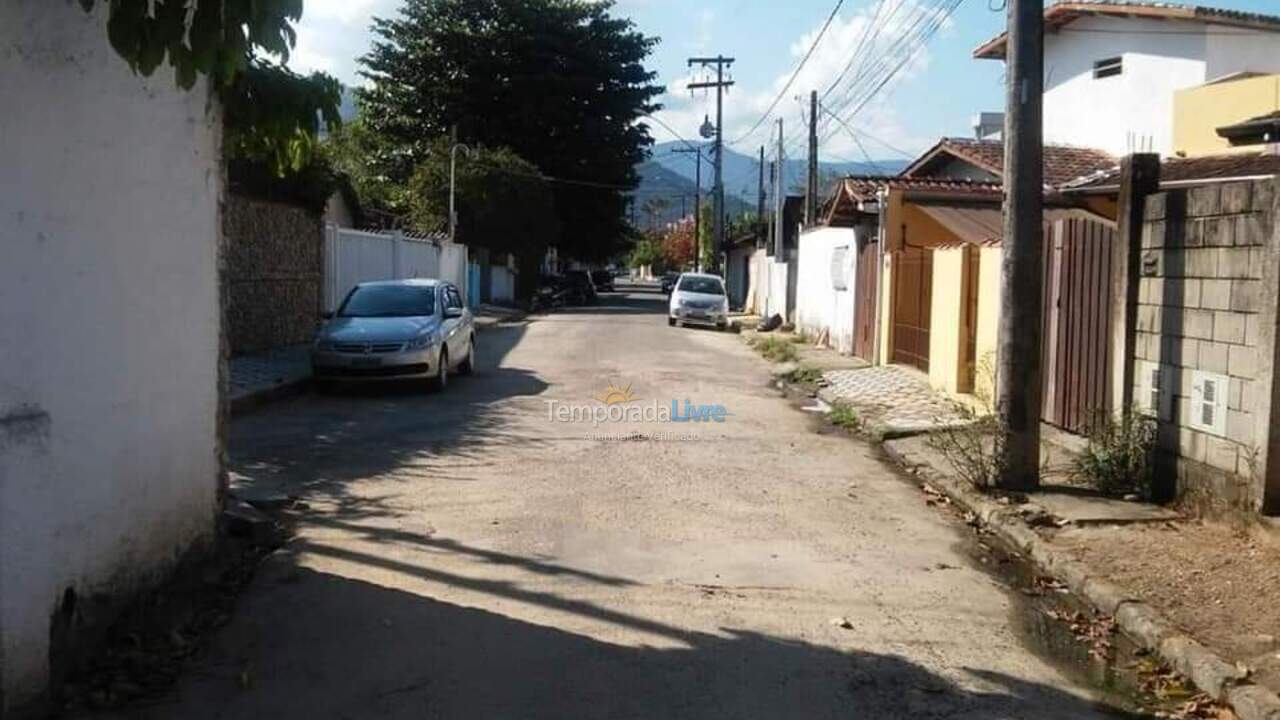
[[1062, 163], [1209, 167], [865, 187]]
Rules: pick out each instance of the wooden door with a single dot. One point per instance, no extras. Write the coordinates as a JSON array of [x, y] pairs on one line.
[[866, 289], [912, 300], [1076, 352]]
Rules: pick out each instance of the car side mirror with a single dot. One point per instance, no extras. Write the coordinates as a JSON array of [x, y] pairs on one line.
[[452, 312]]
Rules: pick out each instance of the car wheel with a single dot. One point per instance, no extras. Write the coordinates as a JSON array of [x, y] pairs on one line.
[[441, 380], [468, 365], [671, 321]]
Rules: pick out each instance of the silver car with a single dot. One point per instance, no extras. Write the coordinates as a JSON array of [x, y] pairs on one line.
[[397, 329], [698, 299]]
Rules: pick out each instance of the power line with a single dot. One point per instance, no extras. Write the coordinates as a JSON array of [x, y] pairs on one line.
[[813, 46]]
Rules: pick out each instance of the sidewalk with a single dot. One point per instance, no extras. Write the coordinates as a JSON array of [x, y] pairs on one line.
[[261, 378], [1203, 598]]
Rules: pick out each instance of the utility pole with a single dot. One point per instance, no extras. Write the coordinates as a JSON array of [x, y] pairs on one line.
[[697, 204], [811, 185], [720, 84], [760, 198], [779, 198], [1018, 392]]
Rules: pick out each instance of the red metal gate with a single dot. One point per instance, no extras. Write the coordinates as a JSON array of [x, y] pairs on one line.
[[1076, 352]]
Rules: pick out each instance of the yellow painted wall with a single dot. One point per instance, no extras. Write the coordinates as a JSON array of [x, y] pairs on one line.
[[1199, 111], [885, 327], [946, 321], [988, 324]]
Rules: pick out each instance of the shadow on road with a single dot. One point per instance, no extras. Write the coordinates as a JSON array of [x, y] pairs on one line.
[[620, 304], [315, 445], [321, 645]]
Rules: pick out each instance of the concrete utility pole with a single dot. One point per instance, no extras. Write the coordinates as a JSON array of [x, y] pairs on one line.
[[779, 196], [697, 205], [811, 185], [760, 197], [717, 190], [1018, 391]]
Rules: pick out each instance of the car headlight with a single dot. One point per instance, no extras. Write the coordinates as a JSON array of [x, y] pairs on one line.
[[422, 342]]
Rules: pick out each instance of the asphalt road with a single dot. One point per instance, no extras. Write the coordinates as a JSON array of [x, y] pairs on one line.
[[469, 556]]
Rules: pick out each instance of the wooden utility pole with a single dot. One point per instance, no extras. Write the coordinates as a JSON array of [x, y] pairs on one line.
[[717, 189], [1018, 389], [811, 184]]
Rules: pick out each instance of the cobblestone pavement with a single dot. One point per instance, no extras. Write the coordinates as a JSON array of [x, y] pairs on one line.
[[892, 397], [254, 373]]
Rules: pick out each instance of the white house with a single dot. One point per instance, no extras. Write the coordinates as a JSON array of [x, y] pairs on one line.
[[1111, 67], [109, 330]]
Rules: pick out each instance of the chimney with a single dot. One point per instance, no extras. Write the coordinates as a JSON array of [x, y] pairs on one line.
[[988, 125]]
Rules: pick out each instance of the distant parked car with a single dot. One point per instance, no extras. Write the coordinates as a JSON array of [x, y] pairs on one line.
[[580, 289], [603, 280], [699, 299], [669, 282], [397, 329]]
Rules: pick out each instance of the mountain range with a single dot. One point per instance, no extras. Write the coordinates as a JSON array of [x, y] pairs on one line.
[[667, 180]]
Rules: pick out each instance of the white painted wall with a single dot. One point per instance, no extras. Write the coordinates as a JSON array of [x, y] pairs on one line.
[[109, 319], [1134, 110], [820, 307]]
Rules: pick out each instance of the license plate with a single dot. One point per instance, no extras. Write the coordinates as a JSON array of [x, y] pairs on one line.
[[366, 362]]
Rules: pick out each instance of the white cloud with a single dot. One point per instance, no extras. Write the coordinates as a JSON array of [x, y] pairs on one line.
[[872, 38], [333, 34]]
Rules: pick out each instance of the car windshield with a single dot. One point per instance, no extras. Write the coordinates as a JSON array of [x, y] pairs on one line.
[[389, 301], [702, 285]]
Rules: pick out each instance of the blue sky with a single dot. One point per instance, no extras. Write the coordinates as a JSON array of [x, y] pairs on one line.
[[935, 93]]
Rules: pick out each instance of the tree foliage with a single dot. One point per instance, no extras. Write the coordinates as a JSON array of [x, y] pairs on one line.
[[272, 113], [678, 244], [560, 82], [501, 202], [378, 168]]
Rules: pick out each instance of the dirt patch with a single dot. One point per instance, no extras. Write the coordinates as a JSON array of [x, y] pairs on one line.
[[1220, 584]]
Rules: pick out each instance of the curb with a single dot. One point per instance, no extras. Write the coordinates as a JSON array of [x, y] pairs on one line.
[[1220, 679], [252, 400]]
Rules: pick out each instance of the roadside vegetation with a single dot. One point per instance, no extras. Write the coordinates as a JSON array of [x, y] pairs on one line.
[[1120, 456], [844, 416], [774, 348]]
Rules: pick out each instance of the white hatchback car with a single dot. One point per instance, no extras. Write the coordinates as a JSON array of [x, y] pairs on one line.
[[699, 299]]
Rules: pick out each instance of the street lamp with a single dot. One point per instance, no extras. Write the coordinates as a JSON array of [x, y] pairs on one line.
[[453, 166]]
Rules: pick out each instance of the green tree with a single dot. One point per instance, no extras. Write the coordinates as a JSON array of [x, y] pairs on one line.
[[503, 203], [560, 82], [271, 113], [377, 167]]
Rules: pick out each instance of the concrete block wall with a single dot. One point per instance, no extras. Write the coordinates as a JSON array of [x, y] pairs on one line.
[[1201, 307]]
